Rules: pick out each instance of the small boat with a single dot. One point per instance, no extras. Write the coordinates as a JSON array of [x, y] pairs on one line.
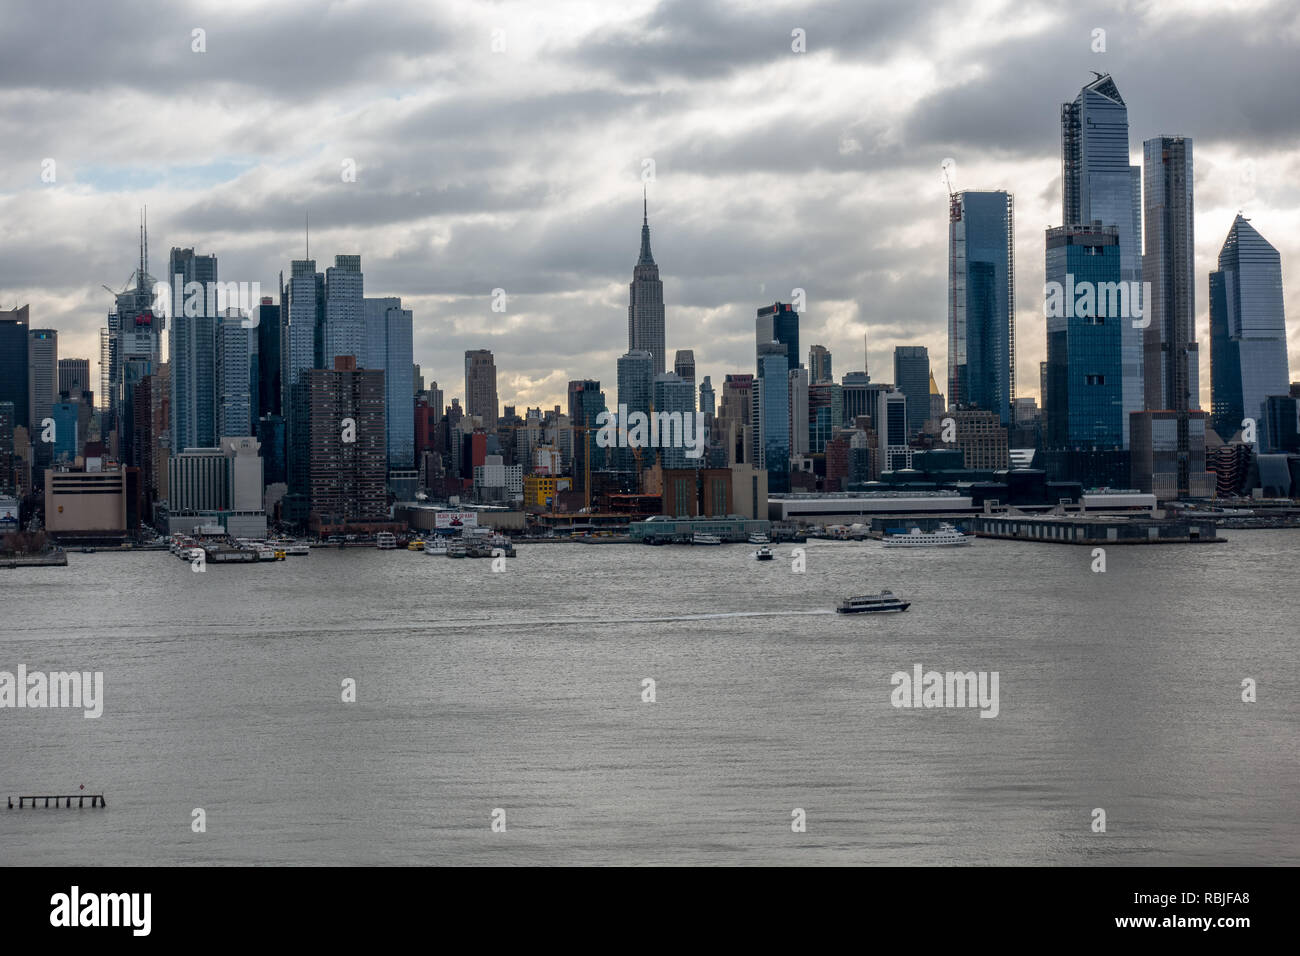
[[701, 538], [946, 537], [415, 545], [759, 538], [386, 541], [436, 545], [297, 550], [869, 603], [763, 554]]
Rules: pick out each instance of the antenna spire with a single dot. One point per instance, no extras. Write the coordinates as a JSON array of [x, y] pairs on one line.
[[307, 216]]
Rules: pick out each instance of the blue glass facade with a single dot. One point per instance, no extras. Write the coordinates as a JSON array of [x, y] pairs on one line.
[[772, 395], [1085, 396], [981, 302]]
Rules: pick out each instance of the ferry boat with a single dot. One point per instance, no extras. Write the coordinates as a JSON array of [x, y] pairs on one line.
[[701, 538], [946, 537], [436, 545], [386, 541], [759, 538], [869, 603], [268, 554], [416, 545], [456, 548], [763, 554], [297, 550]]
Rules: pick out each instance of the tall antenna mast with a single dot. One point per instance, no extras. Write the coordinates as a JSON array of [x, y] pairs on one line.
[[307, 216]]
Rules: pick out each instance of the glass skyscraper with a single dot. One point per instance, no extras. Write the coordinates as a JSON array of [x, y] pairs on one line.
[[636, 377], [772, 415], [344, 329], [912, 378], [1248, 359], [779, 322], [193, 356], [1100, 185], [1084, 391], [981, 302]]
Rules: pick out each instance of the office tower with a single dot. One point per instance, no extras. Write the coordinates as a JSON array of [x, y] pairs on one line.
[[8, 453], [893, 453], [14, 388], [981, 301], [344, 329], [74, 376], [586, 402], [1084, 389], [771, 418], [675, 396], [684, 368], [270, 366], [797, 399], [645, 309], [346, 479], [937, 406], [825, 414], [1100, 185], [735, 418], [387, 347], [982, 439], [192, 348], [819, 365], [1171, 459], [1042, 390], [636, 378], [302, 311], [707, 401], [42, 390], [481, 386], [779, 322], [858, 396], [67, 437], [1248, 359], [234, 358], [912, 378]]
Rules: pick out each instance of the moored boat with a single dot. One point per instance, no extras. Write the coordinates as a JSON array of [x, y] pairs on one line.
[[701, 538], [946, 537]]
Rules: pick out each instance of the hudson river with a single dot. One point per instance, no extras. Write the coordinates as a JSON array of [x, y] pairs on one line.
[[522, 690]]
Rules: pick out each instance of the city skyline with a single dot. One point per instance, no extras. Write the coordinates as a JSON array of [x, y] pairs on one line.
[[861, 207]]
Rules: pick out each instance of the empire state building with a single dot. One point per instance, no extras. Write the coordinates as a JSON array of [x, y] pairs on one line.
[[645, 308]]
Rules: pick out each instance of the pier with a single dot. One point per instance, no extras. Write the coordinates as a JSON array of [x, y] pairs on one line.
[[96, 800], [1097, 529]]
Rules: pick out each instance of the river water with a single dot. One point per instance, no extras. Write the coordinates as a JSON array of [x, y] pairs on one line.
[[522, 690]]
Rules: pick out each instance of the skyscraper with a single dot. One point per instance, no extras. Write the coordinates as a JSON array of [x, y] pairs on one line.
[[981, 301], [645, 309], [388, 346], [684, 367], [674, 395], [635, 391], [42, 387], [302, 312], [234, 399], [819, 365], [1248, 358], [1100, 185], [772, 415], [344, 330], [193, 355], [1084, 389], [912, 378], [779, 322], [270, 371], [14, 325], [347, 468], [1168, 437], [74, 375], [481, 386], [707, 400], [586, 402]]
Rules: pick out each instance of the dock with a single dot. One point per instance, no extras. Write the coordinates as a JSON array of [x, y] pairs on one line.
[[1097, 529], [96, 800]]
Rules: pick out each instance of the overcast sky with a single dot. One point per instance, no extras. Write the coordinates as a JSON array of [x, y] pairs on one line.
[[521, 168]]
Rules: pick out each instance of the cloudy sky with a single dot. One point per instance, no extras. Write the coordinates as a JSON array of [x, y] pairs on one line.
[[502, 145]]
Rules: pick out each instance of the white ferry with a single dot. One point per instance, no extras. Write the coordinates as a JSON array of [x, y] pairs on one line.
[[946, 537], [386, 541], [456, 548], [763, 554], [436, 545], [759, 538], [298, 549], [872, 603], [701, 538]]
